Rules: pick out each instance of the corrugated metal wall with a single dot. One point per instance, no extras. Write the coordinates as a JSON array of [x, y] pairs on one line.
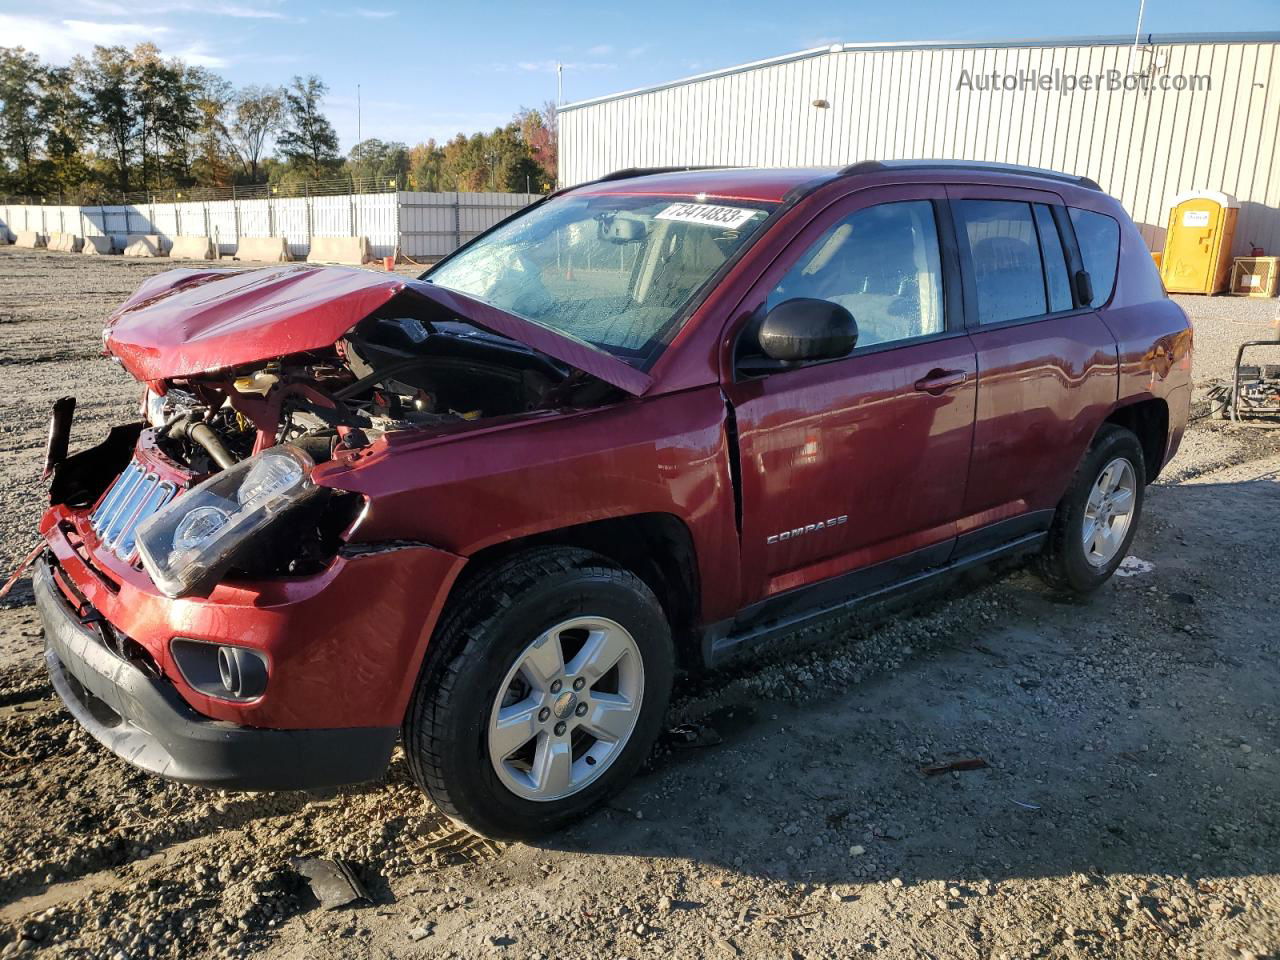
[[434, 224], [902, 102]]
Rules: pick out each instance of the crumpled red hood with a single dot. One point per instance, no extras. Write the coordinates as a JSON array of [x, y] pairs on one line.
[[191, 321]]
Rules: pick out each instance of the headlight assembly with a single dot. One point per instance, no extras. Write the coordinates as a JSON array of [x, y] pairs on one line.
[[187, 545]]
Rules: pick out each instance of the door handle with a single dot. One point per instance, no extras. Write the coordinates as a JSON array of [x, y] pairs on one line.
[[936, 381]]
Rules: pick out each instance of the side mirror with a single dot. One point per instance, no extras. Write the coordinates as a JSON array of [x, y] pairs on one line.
[[807, 329], [1084, 288]]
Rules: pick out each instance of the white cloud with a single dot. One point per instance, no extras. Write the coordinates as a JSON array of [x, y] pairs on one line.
[[60, 40], [229, 10], [196, 55], [601, 50], [370, 14]]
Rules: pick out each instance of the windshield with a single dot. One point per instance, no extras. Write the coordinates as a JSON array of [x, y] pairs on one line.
[[613, 271]]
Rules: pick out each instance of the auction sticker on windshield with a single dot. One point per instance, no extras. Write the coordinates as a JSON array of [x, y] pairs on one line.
[[708, 214]]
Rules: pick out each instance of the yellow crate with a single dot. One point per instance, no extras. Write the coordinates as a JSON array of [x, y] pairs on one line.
[[1254, 276]]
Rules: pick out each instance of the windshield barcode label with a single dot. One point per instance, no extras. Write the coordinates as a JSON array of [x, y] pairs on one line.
[[707, 214]]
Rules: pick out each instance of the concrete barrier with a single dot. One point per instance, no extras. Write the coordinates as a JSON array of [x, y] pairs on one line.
[[144, 245], [192, 248], [65, 242], [265, 249], [29, 239], [96, 246], [353, 250]]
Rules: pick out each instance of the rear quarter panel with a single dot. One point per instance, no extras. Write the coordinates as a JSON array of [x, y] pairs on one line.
[[1154, 338]]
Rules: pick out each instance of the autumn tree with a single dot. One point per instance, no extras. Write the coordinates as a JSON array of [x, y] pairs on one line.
[[258, 114], [107, 79], [308, 140], [539, 131], [379, 160], [426, 167], [21, 86], [212, 155], [66, 121]]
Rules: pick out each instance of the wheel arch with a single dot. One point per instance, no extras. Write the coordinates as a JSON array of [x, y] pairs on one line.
[[1148, 420], [657, 547]]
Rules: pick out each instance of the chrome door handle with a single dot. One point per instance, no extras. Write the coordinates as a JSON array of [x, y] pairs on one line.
[[936, 382]]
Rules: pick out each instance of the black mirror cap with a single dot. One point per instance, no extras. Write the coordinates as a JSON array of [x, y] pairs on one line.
[[1084, 288], [804, 328]]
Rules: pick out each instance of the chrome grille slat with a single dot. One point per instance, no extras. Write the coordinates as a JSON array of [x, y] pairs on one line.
[[109, 503], [159, 496], [129, 508], [129, 484], [136, 494]]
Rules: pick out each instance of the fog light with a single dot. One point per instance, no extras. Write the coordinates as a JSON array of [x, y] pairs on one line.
[[225, 672]]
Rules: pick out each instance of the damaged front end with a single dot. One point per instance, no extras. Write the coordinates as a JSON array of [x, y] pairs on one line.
[[224, 475], [212, 612]]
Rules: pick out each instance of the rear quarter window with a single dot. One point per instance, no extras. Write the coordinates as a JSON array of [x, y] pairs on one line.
[[1099, 239]]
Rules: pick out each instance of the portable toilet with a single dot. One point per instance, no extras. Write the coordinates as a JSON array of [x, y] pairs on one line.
[[1197, 248]]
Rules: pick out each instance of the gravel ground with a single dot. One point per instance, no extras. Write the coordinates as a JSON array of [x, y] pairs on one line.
[[1128, 806]]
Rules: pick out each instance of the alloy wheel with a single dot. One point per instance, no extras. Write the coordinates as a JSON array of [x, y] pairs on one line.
[[1108, 513], [566, 709]]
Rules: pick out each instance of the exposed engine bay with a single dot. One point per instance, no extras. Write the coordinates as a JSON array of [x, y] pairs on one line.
[[392, 372], [216, 480]]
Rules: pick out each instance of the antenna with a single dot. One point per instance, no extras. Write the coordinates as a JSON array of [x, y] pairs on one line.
[[359, 127], [559, 83], [1133, 51]]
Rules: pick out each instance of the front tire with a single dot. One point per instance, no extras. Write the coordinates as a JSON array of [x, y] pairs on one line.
[[542, 692], [1096, 521]]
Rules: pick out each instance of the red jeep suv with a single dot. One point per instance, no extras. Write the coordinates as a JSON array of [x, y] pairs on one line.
[[645, 423]]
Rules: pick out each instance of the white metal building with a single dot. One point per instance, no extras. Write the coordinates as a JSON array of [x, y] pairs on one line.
[[1202, 113]]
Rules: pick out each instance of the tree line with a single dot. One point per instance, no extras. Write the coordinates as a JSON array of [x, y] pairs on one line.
[[126, 121]]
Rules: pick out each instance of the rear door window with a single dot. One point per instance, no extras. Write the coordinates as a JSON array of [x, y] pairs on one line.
[[1056, 281], [999, 243], [1099, 239]]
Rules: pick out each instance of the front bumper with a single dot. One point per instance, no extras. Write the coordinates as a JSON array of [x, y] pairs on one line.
[[141, 719]]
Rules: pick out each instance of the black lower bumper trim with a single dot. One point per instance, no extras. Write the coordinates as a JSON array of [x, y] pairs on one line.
[[143, 720]]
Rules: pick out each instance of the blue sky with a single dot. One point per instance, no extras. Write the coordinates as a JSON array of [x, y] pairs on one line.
[[432, 70]]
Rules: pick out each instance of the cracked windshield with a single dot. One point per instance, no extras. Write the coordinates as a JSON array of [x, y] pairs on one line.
[[613, 271]]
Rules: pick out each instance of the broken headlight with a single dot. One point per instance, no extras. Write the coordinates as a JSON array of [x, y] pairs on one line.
[[191, 542]]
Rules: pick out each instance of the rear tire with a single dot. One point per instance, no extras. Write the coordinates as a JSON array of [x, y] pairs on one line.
[[525, 651], [1096, 521]]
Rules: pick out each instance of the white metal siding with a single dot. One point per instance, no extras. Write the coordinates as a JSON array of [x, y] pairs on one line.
[[903, 103]]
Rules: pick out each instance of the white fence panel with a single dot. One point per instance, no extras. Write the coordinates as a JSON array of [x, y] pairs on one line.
[[331, 217], [420, 225], [191, 219], [428, 224], [293, 222], [164, 220], [255, 218], [223, 225], [376, 216], [433, 225]]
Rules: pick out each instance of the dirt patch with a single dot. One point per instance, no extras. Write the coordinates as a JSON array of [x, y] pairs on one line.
[[1127, 806]]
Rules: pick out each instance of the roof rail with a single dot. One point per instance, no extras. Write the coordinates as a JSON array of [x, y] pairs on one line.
[[880, 166], [629, 172]]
